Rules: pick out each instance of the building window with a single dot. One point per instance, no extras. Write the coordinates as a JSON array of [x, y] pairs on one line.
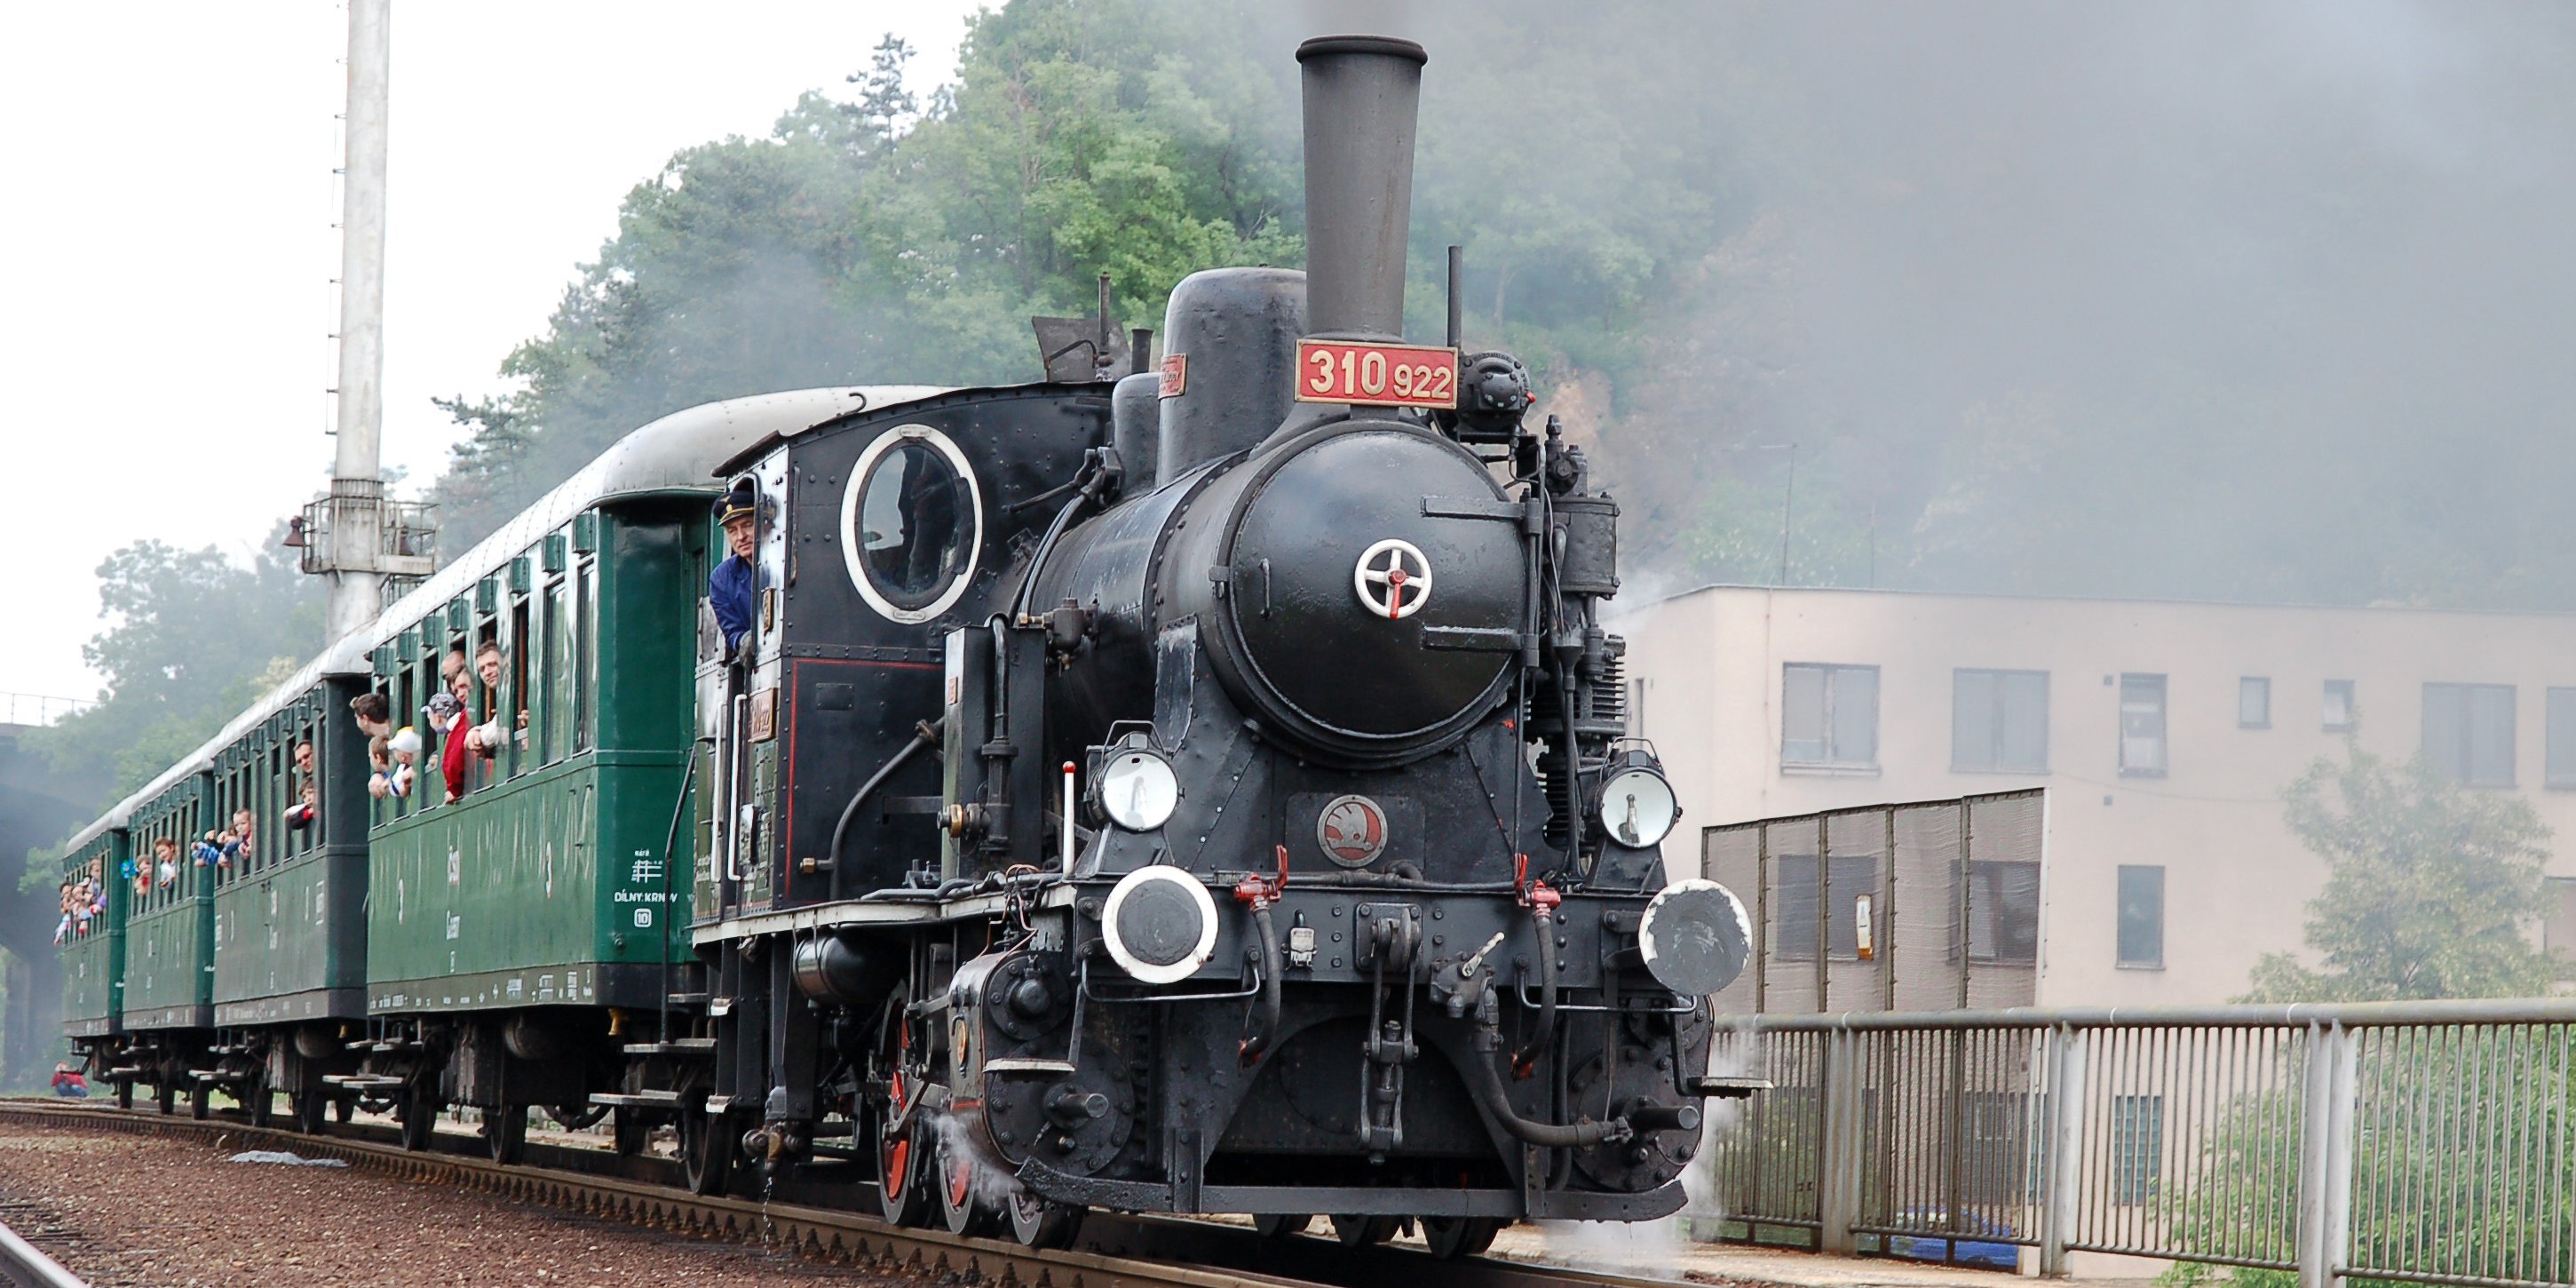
[[2000, 1156], [1999, 722], [2137, 1148], [1637, 707], [1829, 716], [2254, 702], [2338, 706], [2142, 917], [2561, 734], [2142, 725], [2468, 732], [2558, 924], [2003, 911], [1852, 877]]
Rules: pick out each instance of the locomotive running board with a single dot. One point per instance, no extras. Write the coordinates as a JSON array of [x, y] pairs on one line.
[[833, 916]]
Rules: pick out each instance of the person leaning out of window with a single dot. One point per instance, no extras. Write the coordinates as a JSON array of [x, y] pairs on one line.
[[729, 587], [485, 739]]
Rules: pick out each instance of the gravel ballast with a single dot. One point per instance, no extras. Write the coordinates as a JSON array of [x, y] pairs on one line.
[[121, 1209]]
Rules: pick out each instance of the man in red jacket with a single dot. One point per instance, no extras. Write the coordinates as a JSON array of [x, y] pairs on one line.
[[447, 714]]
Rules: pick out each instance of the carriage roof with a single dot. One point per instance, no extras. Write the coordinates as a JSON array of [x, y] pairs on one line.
[[676, 454]]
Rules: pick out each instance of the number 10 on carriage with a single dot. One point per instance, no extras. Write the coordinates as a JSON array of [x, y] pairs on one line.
[[1378, 375]]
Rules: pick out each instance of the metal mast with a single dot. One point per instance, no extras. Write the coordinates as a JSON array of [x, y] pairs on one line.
[[354, 562]]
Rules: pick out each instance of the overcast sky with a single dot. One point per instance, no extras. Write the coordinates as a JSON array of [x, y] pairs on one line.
[[167, 226]]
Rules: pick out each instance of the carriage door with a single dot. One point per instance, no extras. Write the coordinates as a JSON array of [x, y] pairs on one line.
[[718, 894]]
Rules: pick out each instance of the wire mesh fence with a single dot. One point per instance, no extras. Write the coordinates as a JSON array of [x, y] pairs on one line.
[[2428, 1142], [1887, 907]]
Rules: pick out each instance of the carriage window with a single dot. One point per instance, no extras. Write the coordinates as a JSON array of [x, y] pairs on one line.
[[910, 524], [516, 712], [585, 643], [555, 720]]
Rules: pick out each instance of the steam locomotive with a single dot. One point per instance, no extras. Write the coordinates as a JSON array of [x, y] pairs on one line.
[[1206, 792]]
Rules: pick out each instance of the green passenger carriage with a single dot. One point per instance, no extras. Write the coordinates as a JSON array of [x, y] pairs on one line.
[[167, 1007], [289, 916], [94, 959], [169, 928]]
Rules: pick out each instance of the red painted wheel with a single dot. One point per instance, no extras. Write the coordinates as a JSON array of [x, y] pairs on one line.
[[964, 1205], [902, 1197]]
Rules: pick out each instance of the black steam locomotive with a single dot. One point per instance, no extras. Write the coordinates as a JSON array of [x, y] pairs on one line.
[[1208, 797]]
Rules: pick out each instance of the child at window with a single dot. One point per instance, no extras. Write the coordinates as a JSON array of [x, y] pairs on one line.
[[394, 762], [303, 814]]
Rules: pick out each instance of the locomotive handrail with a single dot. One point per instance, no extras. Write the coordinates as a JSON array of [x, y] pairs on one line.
[[1083, 974], [1681, 1007]]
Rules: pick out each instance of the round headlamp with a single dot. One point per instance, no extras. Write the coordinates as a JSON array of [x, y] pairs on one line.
[[1695, 937], [1637, 805], [1138, 789], [1159, 924]]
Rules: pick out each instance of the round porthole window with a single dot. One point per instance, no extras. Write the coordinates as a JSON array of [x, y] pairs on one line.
[[912, 523]]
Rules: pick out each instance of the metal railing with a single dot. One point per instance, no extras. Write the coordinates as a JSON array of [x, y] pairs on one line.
[[38, 709], [2425, 1142]]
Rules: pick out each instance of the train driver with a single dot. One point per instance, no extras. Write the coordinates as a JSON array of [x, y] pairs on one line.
[[729, 587]]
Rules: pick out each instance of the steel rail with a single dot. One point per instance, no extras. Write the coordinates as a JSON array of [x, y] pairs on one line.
[[1118, 1250], [24, 1265]]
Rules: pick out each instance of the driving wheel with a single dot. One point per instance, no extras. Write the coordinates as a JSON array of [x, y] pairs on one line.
[[896, 1149], [1042, 1222], [960, 1209]]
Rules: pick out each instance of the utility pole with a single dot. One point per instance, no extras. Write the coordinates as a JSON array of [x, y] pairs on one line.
[[354, 536], [354, 561], [1788, 496]]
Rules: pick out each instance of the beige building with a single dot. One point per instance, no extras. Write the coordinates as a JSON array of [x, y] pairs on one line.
[[2162, 732]]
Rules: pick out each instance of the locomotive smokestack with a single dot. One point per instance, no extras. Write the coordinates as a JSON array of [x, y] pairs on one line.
[[1363, 95]]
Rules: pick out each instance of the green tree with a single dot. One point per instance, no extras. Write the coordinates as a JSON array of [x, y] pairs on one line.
[[2431, 889], [192, 637], [870, 242], [2430, 893]]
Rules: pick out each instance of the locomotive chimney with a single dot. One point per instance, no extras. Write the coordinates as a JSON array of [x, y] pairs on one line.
[[1363, 94]]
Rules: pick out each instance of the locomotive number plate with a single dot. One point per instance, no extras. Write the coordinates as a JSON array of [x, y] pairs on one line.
[[1376, 375]]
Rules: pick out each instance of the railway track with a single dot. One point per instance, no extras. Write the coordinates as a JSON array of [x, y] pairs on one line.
[[818, 1218], [24, 1265]]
